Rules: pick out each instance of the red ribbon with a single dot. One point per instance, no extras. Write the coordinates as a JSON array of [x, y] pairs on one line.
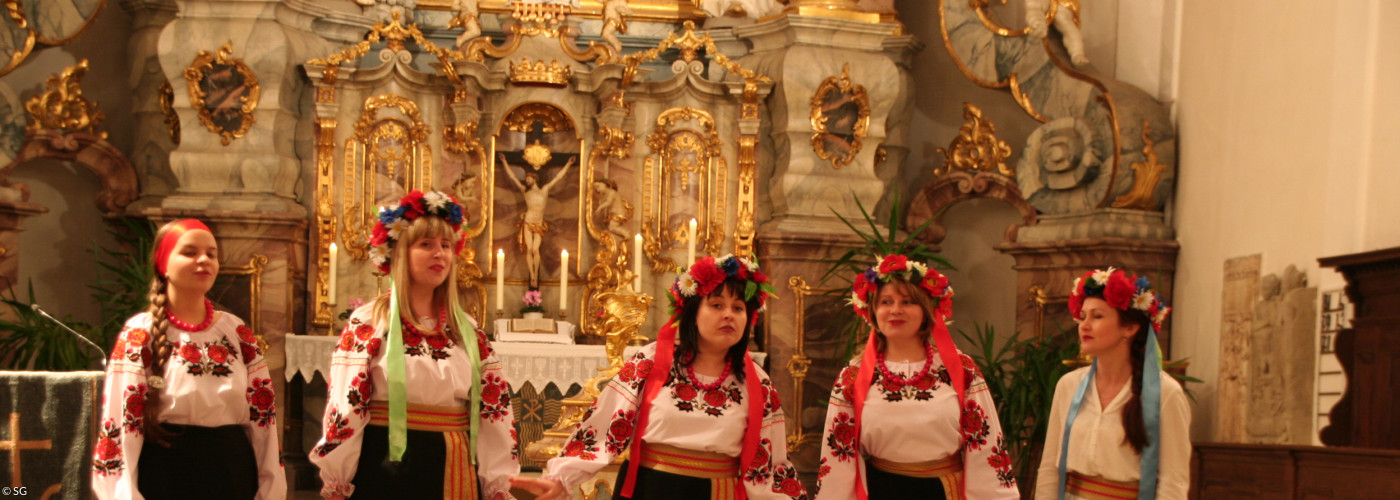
[[172, 236], [947, 351]]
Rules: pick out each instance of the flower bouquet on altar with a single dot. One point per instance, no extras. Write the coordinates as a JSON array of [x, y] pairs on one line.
[[534, 308], [533, 326]]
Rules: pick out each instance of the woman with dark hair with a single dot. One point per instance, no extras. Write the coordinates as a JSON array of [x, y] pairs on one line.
[[1119, 429], [187, 406], [709, 419], [911, 417], [417, 404]]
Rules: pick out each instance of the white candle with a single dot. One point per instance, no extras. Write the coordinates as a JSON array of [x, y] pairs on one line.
[[334, 252], [563, 280], [637, 262], [690, 257], [500, 279]]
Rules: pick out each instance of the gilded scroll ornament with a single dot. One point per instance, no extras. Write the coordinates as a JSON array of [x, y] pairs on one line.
[[1146, 175], [63, 107], [395, 34], [840, 118], [525, 116], [325, 219], [384, 159], [976, 148], [167, 108], [225, 92], [799, 363], [684, 165]]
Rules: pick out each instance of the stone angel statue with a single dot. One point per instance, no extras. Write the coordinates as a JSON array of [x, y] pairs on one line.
[[614, 23], [467, 17], [1066, 20]]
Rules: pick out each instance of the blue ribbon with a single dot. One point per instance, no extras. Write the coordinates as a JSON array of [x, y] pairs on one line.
[[1151, 418]]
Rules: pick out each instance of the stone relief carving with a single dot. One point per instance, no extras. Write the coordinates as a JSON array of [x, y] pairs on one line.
[[1061, 166], [1280, 370]]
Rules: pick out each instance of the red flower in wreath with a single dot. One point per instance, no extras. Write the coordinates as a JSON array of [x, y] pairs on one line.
[[894, 263], [245, 334], [413, 204], [190, 353], [707, 276], [715, 398], [218, 353], [686, 392], [1119, 291]]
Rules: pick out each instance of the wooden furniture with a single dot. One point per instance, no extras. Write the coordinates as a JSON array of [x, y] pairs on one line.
[[1369, 352], [1227, 471]]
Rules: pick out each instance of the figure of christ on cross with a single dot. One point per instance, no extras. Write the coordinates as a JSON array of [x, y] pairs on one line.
[[532, 223]]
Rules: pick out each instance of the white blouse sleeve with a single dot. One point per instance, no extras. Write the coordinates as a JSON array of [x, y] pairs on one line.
[[607, 427], [337, 454], [772, 476], [836, 477], [1047, 478], [986, 464], [262, 418], [121, 431], [498, 449], [1174, 466]]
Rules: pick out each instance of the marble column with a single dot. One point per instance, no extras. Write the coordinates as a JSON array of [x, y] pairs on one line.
[[152, 137]]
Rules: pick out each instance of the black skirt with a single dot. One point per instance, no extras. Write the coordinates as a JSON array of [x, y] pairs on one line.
[[418, 476], [881, 485], [216, 463], [655, 484]]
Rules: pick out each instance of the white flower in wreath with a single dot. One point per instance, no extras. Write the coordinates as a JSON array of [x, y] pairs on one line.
[[686, 284], [1074, 291], [397, 228], [919, 267], [1101, 276], [435, 200], [750, 265], [379, 255], [1143, 300], [856, 301], [1161, 315]]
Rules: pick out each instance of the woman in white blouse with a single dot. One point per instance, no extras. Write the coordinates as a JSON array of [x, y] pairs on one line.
[[417, 406], [911, 417], [1119, 429], [187, 404], [710, 423]]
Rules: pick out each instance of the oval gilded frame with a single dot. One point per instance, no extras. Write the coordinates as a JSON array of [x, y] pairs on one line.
[[840, 118], [208, 77]]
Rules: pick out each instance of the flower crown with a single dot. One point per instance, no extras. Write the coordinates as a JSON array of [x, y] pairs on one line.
[[1121, 292], [867, 285], [394, 221], [708, 273]]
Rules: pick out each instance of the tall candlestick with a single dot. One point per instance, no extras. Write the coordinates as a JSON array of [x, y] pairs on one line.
[[690, 257], [637, 262], [334, 252], [500, 279], [563, 280]]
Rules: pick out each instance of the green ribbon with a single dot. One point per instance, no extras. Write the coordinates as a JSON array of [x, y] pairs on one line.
[[398, 388], [474, 357]]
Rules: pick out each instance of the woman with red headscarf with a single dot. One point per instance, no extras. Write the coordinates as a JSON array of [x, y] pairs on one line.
[[709, 421], [911, 417], [187, 405]]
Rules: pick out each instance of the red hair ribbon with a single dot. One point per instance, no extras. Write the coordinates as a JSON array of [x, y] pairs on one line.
[[172, 236]]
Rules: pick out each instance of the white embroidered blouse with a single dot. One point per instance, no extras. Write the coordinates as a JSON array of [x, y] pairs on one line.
[[215, 377], [685, 417], [1097, 445], [915, 423], [438, 374]]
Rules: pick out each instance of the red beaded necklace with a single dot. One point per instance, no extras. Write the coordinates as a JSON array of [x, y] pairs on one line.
[[208, 319], [690, 371], [901, 380]]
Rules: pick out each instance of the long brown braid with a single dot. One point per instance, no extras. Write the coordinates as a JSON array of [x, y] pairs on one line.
[[158, 347]]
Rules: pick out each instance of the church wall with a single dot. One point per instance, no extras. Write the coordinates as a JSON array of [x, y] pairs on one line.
[[1286, 117], [55, 246]]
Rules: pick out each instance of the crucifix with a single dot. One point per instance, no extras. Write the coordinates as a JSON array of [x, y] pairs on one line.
[[15, 445]]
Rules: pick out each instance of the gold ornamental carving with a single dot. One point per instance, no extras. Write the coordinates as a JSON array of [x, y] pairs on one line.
[[325, 220], [606, 211], [689, 43], [799, 363], [395, 34], [539, 73], [24, 35], [990, 22], [661, 11], [225, 92], [63, 107], [385, 158], [551, 118], [167, 108], [976, 148], [840, 118], [254, 271], [683, 163], [1146, 175]]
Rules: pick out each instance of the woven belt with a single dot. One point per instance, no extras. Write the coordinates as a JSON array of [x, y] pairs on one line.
[[1097, 488], [424, 417], [691, 463], [930, 469]]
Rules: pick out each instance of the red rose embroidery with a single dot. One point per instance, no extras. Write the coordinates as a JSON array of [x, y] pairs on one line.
[[773, 398], [573, 449], [190, 353], [644, 368], [347, 341], [218, 353], [620, 430], [791, 487], [137, 336], [373, 347], [245, 334], [999, 461], [845, 433], [715, 398], [411, 338], [135, 403], [437, 342], [249, 351], [364, 332], [108, 448], [924, 383], [628, 372], [491, 394], [972, 420], [263, 398], [686, 392]]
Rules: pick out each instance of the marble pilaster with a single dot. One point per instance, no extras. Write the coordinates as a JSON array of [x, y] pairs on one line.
[[12, 216]]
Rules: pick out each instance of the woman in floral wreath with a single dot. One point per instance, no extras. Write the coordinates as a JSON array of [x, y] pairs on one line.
[[709, 419], [911, 417], [1119, 428], [417, 406], [188, 402]]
